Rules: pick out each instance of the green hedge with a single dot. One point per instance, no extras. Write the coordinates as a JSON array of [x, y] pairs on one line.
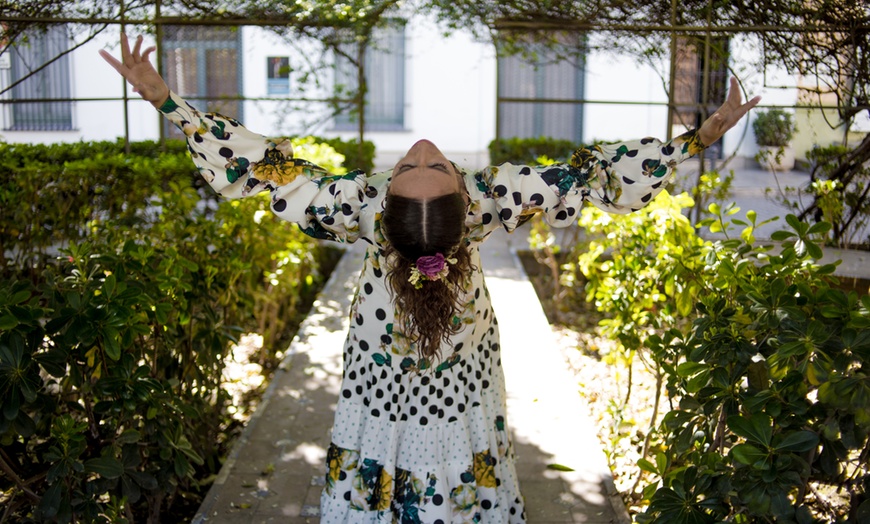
[[125, 282], [763, 357]]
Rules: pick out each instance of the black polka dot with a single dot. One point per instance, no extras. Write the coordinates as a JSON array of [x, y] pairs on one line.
[[562, 215], [352, 375], [438, 500], [368, 288], [359, 320], [499, 191], [279, 205], [487, 218], [424, 401], [380, 314], [506, 214], [447, 401], [424, 421], [346, 393], [525, 171], [327, 220], [486, 504], [646, 197], [376, 413], [536, 199], [386, 339], [225, 152], [433, 409], [359, 390], [342, 475], [379, 393], [371, 192], [347, 496], [518, 198], [346, 209], [363, 345], [413, 410]]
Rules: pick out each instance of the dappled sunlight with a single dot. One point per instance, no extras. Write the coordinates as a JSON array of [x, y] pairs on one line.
[[307, 452]]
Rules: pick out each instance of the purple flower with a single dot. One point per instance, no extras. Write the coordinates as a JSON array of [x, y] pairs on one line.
[[431, 266]]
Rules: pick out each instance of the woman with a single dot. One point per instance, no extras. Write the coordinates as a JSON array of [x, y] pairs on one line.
[[420, 430]]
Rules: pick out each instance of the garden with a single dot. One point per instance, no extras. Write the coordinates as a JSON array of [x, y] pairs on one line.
[[727, 377], [125, 285]]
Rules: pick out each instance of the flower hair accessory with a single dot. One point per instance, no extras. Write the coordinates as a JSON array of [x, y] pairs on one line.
[[434, 267]]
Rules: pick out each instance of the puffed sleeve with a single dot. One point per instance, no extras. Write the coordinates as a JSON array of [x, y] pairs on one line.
[[237, 163], [618, 178]]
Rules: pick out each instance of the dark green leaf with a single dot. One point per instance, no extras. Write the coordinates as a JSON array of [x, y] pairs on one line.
[[106, 467], [757, 428], [559, 467], [747, 454]]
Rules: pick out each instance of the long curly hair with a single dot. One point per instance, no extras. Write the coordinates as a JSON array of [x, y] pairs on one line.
[[413, 229]]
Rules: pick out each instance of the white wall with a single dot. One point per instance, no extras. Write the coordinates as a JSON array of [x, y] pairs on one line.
[[450, 96], [92, 77], [611, 78]]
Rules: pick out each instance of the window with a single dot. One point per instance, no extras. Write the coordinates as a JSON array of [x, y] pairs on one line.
[[540, 94], [50, 82], [203, 64], [689, 85], [385, 76]]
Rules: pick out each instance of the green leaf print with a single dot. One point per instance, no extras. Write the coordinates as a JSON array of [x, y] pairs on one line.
[[382, 359]]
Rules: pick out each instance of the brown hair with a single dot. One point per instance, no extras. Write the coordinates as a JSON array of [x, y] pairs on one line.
[[415, 228]]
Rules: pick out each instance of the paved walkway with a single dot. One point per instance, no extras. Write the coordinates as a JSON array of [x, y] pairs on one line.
[[275, 471]]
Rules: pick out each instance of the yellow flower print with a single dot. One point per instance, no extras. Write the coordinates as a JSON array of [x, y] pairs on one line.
[[279, 174], [694, 144], [189, 128], [384, 492], [484, 469], [464, 498]]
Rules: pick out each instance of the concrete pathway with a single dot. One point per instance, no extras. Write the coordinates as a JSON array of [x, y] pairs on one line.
[[275, 471]]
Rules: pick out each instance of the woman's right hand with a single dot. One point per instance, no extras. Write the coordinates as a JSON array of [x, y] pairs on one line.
[[137, 69]]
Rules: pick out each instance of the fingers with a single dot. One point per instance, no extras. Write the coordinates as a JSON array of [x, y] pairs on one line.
[[148, 52], [137, 49], [125, 49], [114, 62]]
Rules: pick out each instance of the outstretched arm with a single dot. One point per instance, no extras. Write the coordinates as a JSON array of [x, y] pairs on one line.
[[137, 69], [726, 116]]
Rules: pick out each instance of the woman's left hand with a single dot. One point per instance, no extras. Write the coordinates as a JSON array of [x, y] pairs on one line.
[[726, 116]]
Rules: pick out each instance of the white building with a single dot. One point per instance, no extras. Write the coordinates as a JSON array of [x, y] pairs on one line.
[[422, 85]]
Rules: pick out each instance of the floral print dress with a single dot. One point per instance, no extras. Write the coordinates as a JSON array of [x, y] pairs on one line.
[[417, 441]]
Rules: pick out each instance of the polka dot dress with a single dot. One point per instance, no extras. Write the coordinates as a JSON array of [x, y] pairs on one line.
[[416, 441]]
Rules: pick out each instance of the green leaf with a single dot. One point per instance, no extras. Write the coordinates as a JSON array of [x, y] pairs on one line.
[[111, 343], [779, 236], [757, 428], [109, 285], [646, 465], [50, 503], [7, 322], [559, 467], [798, 442], [128, 437], [748, 454], [106, 467]]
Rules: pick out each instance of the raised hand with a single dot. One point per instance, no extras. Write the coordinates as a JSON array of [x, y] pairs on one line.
[[727, 115], [137, 69]]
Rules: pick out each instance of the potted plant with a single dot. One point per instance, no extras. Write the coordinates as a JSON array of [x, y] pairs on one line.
[[774, 130]]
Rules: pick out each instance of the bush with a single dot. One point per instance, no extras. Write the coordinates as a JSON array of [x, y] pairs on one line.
[[122, 293], [774, 128], [529, 150], [762, 355]]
